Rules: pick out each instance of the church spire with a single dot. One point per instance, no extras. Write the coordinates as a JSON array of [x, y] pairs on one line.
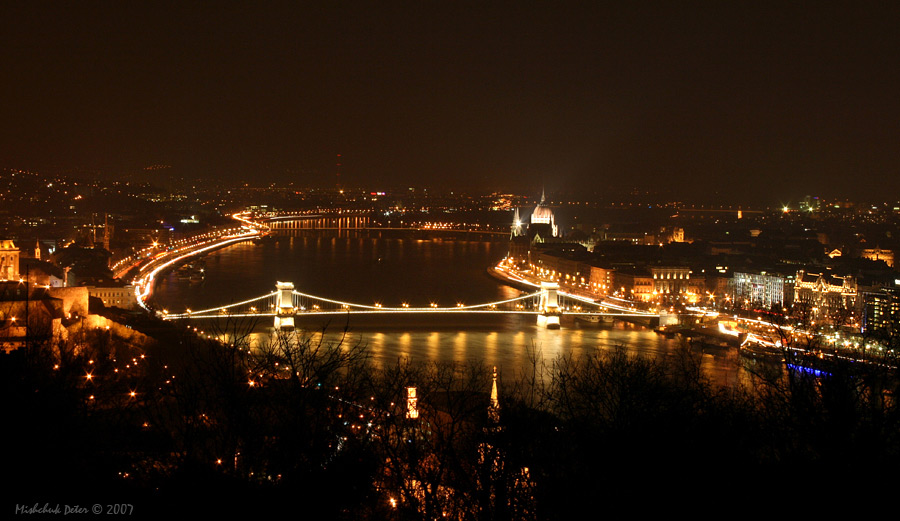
[[106, 231], [494, 409], [516, 229]]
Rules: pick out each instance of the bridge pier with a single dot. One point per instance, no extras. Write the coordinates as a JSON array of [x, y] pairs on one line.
[[667, 319], [549, 306], [284, 306]]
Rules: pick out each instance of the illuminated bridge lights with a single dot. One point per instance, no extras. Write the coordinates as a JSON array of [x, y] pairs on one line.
[[518, 305]]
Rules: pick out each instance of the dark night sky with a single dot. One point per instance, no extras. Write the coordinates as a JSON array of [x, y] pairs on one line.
[[759, 103]]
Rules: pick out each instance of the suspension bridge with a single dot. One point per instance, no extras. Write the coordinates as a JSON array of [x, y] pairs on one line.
[[285, 304]]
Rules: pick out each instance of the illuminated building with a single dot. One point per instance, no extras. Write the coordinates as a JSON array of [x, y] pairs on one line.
[[634, 283], [601, 280], [825, 293], [758, 288], [543, 215], [9, 260], [670, 280], [541, 230], [881, 313], [115, 296], [877, 254]]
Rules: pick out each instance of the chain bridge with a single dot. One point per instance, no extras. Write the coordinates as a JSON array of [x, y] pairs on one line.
[[285, 304]]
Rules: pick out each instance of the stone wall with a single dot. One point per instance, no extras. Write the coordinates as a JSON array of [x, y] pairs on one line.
[[75, 300]]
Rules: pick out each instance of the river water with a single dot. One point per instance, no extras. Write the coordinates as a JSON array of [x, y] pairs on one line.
[[366, 267]]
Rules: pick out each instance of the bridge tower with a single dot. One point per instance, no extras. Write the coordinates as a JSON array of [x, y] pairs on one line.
[[284, 306], [549, 307]]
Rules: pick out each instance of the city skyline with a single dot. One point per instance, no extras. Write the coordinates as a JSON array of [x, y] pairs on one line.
[[731, 102]]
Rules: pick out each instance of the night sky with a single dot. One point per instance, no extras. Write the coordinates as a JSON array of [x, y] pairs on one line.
[[767, 104]]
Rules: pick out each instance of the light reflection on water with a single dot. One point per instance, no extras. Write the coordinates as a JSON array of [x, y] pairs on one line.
[[363, 267]]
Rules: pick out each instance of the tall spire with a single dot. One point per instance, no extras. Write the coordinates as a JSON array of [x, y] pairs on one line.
[[516, 229], [106, 231], [494, 409], [543, 194]]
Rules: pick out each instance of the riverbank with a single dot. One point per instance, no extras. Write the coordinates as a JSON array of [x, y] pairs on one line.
[[149, 271], [506, 278]]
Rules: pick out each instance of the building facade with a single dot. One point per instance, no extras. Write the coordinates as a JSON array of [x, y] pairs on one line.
[[9, 260], [881, 312], [115, 296], [877, 254], [602, 281], [828, 296], [670, 280], [635, 283], [760, 289]]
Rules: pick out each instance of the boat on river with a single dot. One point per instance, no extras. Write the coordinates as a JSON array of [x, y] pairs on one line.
[[194, 271]]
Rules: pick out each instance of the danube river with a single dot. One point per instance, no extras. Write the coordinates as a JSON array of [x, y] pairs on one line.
[[391, 268]]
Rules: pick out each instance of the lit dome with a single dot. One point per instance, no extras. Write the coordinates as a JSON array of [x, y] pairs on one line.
[[542, 215]]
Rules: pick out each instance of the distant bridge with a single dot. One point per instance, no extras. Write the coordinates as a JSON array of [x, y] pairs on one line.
[[315, 222], [286, 303], [350, 221]]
